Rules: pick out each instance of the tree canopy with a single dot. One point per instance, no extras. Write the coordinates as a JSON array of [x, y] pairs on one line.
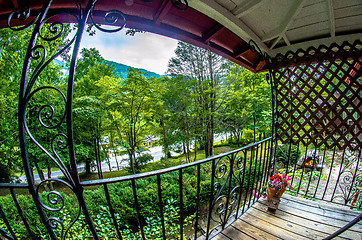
[[203, 95]]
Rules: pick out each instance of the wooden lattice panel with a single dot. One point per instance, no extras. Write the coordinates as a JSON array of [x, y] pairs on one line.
[[319, 96]]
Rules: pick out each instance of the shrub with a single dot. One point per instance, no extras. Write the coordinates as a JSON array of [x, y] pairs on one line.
[[283, 155], [248, 136], [143, 159], [123, 203]]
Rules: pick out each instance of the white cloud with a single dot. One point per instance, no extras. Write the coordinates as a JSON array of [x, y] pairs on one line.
[[144, 50]]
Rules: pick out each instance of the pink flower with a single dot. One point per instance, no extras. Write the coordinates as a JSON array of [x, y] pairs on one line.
[[255, 195], [278, 181]]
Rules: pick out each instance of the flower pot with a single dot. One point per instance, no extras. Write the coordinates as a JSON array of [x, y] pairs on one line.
[[271, 192]]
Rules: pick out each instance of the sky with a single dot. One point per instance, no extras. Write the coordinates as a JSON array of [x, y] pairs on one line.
[[143, 50]]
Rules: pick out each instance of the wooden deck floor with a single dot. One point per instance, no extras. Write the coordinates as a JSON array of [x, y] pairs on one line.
[[296, 218]]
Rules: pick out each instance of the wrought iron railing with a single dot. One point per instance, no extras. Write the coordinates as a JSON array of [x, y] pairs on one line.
[[211, 194], [323, 173]]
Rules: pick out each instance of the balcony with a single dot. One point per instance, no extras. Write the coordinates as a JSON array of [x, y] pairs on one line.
[[316, 92], [296, 218], [224, 203]]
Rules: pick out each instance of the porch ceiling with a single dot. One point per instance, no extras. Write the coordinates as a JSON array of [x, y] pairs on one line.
[[227, 26], [279, 26]]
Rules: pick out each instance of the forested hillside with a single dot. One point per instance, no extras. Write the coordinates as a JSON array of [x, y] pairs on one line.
[[121, 70]]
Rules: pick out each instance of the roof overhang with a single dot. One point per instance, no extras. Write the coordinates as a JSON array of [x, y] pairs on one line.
[[279, 26], [226, 27]]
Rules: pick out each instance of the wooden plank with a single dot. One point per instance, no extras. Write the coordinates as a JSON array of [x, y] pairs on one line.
[[348, 11], [308, 223], [318, 210], [320, 218], [301, 226], [270, 226], [312, 9], [253, 231], [349, 20], [323, 204], [233, 233], [221, 236], [314, 30], [228, 4], [311, 19], [346, 3], [296, 218]]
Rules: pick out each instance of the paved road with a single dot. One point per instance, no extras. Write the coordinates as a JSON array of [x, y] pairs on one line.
[[156, 152]]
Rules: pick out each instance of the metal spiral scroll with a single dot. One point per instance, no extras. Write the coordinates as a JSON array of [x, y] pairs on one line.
[[223, 205], [47, 117], [111, 17], [347, 183], [21, 14], [118, 19], [255, 48], [55, 203], [180, 4]]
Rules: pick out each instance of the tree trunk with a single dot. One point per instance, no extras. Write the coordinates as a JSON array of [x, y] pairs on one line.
[[238, 139], [165, 145], [96, 155], [41, 175], [98, 146], [132, 159], [114, 150], [195, 150], [115, 157], [109, 164], [50, 176], [87, 167]]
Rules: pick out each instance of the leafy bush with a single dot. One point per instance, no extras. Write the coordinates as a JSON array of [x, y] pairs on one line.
[[287, 154], [357, 194], [304, 182], [248, 136], [123, 203], [143, 159]]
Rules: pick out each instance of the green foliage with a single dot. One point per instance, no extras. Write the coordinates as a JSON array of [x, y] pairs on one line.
[[142, 160], [248, 136], [287, 154], [357, 194], [13, 49], [121, 70], [304, 181], [204, 72], [123, 203]]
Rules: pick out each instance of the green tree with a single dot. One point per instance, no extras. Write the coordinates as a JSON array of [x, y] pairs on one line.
[[12, 52], [136, 108], [248, 105], [130, 106], [178, 118], [89, 111], [208, 70]]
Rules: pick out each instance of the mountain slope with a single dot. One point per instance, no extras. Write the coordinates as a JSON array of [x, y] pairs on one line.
[[121, 70]]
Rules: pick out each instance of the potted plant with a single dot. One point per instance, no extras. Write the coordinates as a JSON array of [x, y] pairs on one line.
[[277, 185]]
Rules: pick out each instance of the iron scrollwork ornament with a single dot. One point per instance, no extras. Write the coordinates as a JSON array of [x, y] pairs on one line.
[[47, 29], [45, 32], [227, 196], [21, 15], [350, 171], [180, 4], [111, 17]]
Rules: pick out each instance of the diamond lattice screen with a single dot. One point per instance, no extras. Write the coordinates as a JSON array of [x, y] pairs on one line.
[[319, 96]]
